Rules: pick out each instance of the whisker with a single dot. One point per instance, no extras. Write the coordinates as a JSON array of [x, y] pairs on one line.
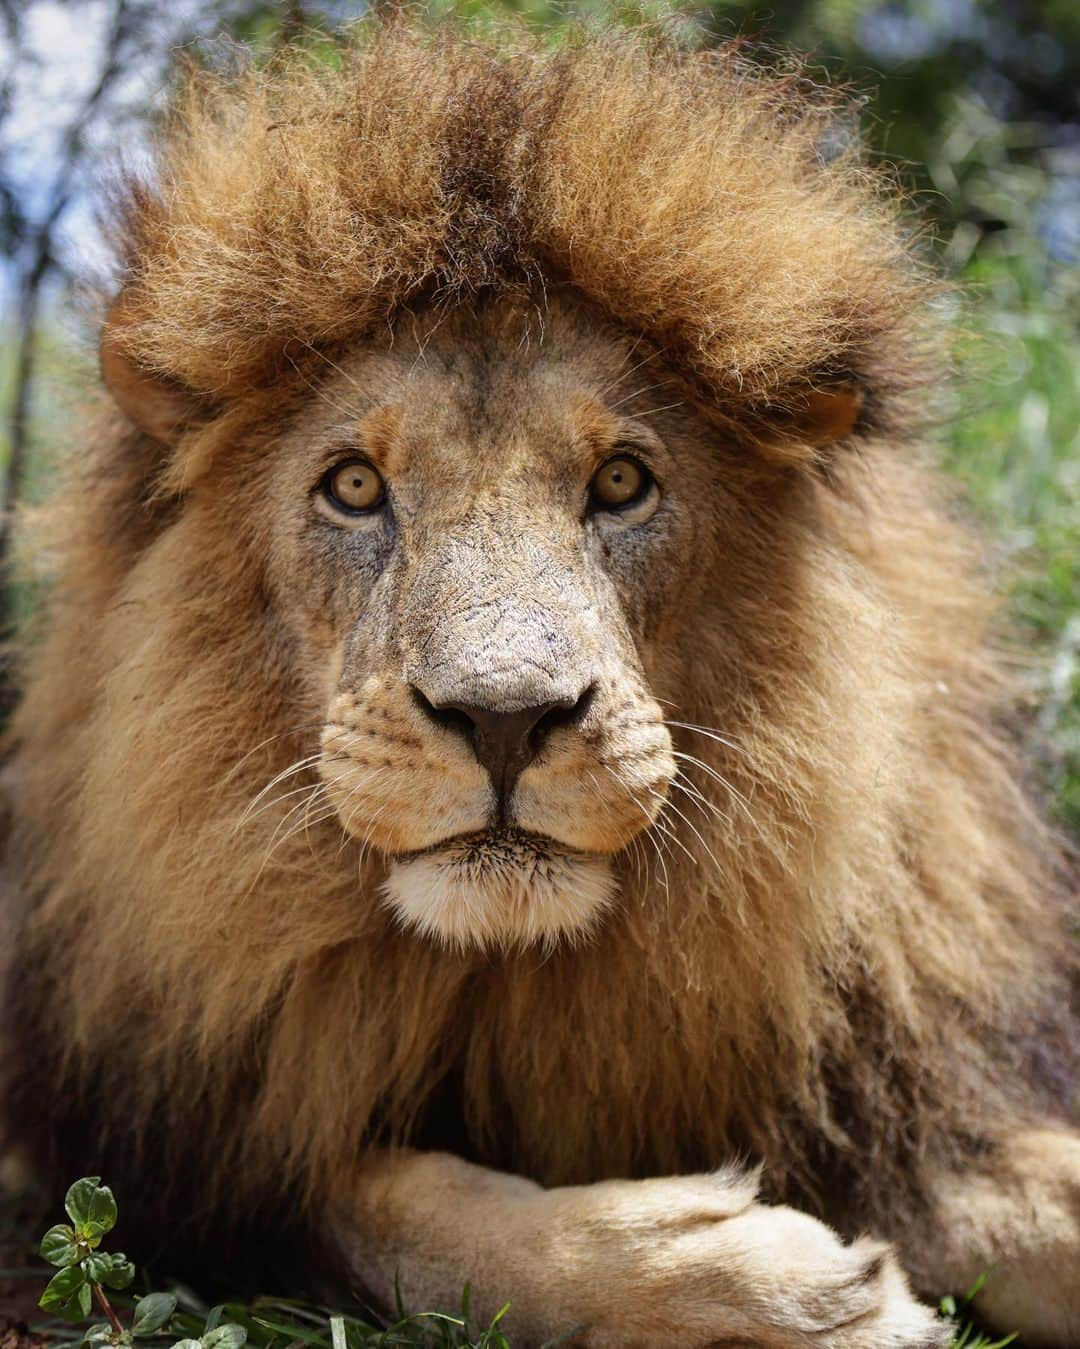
[[278, 837], [648, 388], [650, 823], [332, 364], [296, 767], [673, 833], [717, 777], [627, 373], [346, 828], [672, 836], [702, 802], [708, 732], [366, 840], [275, 801], [295, 730], [651, 412], [634, 847], [320, 392], [694, 830]]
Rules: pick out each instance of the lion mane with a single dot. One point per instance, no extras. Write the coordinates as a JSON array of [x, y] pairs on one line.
[[849, 981]]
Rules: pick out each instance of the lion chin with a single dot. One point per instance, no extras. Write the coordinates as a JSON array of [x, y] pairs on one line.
[[500, 888]]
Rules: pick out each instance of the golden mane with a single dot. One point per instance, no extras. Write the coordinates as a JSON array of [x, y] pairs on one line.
[[854, 968], [717, 208]]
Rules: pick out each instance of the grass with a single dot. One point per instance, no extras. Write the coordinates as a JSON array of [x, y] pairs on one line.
[[274, 1323], [278, 1323]]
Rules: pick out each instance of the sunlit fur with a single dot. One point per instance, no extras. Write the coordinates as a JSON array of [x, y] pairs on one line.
[[304, 205], [834, 956]]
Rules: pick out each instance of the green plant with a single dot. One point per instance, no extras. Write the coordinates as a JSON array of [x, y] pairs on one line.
[[85, 1271], [967, 1335], [181, 1321]]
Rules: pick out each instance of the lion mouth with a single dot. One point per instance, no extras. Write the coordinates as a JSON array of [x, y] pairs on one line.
[[503, 845], [499, 887]]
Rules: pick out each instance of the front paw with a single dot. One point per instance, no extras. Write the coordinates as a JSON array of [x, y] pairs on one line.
[[695, 1261]]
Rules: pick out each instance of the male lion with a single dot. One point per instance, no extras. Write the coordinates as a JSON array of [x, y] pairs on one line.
[[512, 747]]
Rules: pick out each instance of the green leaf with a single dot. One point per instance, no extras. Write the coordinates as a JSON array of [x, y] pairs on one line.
[[293, 1333], [111, 1268], [151, 1313], [89, 1202], [228, 1336], [59, 1245], [188, 1344], [79, 1308], [99, 1333], [975, 1289], [91, 1234], [62, 1287]]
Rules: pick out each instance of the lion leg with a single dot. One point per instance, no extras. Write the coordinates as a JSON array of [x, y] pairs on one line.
[[692, 1260], [1015, 1219]]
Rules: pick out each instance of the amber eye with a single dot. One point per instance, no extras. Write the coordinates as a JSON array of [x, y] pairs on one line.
[[620, 482], [354, 487]]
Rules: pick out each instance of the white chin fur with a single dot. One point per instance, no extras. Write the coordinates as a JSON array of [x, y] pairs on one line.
[[500, 890]]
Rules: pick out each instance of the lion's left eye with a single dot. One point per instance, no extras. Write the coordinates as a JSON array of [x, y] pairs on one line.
[[354, 487], [620, 483]]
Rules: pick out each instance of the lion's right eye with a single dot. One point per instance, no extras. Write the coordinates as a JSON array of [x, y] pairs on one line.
[[624, 489], [353, 487]]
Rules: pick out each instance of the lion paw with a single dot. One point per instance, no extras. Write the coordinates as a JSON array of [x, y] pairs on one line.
[[695, 1261]]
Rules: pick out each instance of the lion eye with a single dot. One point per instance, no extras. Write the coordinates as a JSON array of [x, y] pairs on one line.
[[354, 486], [620, 482]]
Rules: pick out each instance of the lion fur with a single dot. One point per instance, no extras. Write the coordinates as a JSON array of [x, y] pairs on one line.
[[846, 987]]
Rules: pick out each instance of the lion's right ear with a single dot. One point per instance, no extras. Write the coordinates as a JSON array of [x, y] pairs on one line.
[[158, 406]]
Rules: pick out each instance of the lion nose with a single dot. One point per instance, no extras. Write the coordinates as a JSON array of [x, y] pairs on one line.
[[506, 742]]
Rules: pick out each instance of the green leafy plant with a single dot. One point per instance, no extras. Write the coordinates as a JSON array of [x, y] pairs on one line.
[[179, 1320], [85, 1272]]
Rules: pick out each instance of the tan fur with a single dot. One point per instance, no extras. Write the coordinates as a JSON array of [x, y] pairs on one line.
[[835, 931], [691, 1259], [305, 206]]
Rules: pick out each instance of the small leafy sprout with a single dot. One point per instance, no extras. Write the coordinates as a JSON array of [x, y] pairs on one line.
[[85, 1272]]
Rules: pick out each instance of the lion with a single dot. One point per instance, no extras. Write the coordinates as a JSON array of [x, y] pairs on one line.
[[513, 782]]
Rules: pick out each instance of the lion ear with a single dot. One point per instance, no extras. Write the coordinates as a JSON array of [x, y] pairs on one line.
[[829, 414], [157, 405]]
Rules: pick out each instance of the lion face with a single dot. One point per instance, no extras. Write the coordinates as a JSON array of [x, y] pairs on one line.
[[480, 540]]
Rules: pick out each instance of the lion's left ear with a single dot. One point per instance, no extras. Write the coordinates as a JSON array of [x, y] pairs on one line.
[[159, 406], [828, 414]]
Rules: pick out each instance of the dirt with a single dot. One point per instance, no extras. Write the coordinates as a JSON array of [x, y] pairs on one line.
[[17, 1335], [22, 1272]]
